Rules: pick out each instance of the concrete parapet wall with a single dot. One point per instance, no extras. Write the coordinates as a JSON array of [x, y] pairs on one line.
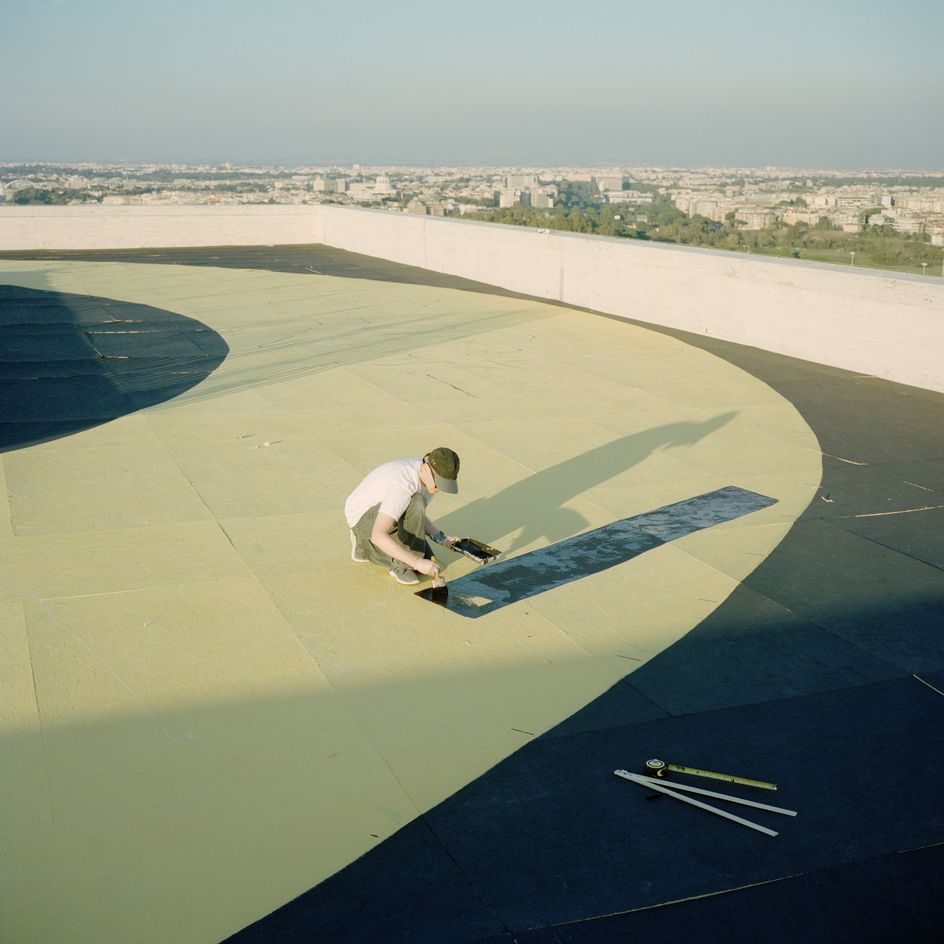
[[881, 323], [143, 227]]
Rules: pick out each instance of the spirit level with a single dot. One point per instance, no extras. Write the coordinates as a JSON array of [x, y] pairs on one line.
[[659, 768]]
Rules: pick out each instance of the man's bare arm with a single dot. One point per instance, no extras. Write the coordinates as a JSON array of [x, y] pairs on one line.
[[382, 537]]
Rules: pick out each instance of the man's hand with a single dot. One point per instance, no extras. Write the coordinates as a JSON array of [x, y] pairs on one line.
[[429, 567]]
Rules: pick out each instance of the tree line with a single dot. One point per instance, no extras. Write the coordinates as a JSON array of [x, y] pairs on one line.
[[579, 211]]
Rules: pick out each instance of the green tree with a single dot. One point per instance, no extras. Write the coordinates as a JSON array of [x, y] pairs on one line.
[[578, 222]]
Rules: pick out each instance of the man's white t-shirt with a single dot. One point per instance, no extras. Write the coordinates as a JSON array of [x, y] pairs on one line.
[[391, 486]]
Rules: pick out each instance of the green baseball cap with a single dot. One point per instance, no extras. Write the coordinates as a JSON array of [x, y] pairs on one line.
[[445, 465]]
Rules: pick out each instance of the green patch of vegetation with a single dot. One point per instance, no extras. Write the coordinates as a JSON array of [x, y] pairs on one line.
[[51, 197], [912, 182], [580, 211]]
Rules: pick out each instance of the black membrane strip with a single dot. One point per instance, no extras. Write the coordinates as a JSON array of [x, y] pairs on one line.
[[484, 591]]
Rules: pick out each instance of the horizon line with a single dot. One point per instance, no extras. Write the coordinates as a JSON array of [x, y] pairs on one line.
[[273, 165]]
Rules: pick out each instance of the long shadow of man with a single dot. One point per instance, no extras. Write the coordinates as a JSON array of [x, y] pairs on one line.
[[535, 505]]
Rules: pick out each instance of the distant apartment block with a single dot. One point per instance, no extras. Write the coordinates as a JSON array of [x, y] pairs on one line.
[[711, 206], [908, 224], [361, 191], [520, 181], [711, 209], [755, 218], [630, 197], [329, 185], [922, 204], [809, 217], [610, 182], [848, 222]]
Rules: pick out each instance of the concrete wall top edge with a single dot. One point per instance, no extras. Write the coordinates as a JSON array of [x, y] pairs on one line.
[[249, 209]]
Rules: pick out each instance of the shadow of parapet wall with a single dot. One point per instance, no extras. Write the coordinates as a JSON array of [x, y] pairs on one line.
[[71, 362], [549, 837], [307, 260]]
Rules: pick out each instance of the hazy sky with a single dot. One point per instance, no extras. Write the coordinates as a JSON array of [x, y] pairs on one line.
[[828, 84]]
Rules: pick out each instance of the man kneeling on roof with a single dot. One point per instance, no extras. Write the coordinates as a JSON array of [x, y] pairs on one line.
[[387, 514]]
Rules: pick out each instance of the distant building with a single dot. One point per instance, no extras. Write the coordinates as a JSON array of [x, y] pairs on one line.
[[329, 185], [520, 181], [541, 200], [848, 222], [382, 186], [856, 199], [908, 224], [632, 197], [508, 198], [755, 218], [711, 209], [361, 191], [610, 182], [417, 207], [810, 217], [923, 203]]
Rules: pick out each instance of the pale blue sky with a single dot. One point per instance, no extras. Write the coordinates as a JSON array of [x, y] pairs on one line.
[[825, 84]]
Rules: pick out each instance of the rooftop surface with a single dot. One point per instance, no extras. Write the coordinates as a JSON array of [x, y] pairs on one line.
[[216, 725]]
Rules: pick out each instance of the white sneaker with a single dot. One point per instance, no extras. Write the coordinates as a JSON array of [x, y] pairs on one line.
[[356, 552], [404, 575]]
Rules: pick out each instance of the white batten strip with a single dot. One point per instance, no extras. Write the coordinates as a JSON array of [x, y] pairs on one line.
[[636, 778], [710, 793]]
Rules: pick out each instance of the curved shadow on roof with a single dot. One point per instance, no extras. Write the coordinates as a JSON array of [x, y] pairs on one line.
[[313, 259], [71, 362]]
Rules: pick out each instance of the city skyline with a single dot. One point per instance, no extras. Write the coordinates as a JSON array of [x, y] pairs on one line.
[[529, 84]]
